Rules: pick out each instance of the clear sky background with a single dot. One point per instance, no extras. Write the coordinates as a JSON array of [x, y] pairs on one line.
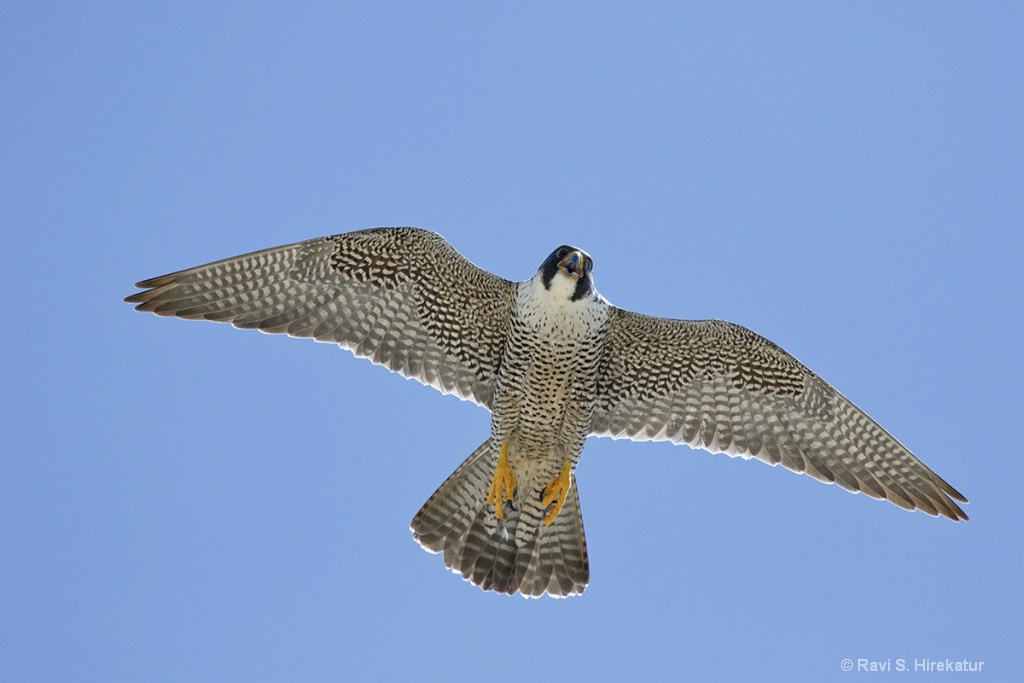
[[184, 501]]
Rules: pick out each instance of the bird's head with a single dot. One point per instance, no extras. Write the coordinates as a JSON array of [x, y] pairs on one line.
[[568, 271]]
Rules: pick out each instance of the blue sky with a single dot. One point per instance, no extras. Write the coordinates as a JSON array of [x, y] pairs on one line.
[[186, 501]]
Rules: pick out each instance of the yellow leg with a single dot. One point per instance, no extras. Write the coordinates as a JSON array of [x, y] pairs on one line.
[[556, 492], [504, 485]]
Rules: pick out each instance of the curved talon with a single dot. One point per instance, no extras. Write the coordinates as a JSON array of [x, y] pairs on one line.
[[556, 492], [503, 487]]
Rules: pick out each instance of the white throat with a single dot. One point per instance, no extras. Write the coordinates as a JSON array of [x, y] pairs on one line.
[[552, 313]]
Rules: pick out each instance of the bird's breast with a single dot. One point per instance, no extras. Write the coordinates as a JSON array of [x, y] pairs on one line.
[[548, 378]]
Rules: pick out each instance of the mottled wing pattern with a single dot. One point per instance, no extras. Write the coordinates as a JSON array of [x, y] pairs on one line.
[[718, 386], [402, 297]]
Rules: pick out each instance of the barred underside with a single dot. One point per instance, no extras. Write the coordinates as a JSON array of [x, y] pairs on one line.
[[554, 362]]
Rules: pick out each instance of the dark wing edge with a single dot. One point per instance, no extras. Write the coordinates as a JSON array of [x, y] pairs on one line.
[[718, 386], [402, 297]]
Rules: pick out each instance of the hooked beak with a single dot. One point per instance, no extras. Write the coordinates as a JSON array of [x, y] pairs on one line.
[[572, 264]]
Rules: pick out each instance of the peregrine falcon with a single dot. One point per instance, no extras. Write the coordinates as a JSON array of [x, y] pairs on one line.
[[554, 362]]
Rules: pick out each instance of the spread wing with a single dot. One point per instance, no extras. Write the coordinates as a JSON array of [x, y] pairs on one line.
[[402, 297], [718, 386]]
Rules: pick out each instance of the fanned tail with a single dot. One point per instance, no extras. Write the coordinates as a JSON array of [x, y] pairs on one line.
[[501, 555]]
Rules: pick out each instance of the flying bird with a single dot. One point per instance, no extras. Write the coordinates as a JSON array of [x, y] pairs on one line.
[[554, 362]]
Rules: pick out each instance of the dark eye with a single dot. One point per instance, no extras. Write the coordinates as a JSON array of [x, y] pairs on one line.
[[562, 252], [588, 264]]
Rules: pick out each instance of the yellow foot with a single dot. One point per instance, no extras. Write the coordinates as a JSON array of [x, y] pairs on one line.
[[556, 492], [504, 485]]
